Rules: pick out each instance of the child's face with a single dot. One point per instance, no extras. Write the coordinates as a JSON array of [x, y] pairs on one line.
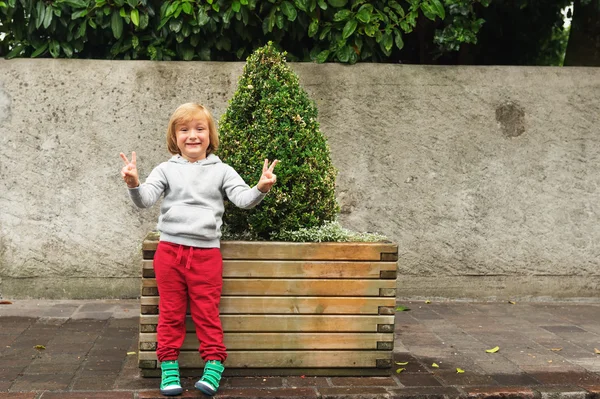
[[193, 139]]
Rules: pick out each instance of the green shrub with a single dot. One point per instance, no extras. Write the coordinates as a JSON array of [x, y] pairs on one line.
[[271, 116], [329, 232]]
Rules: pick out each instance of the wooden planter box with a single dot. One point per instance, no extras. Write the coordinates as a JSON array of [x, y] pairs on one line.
[[291, 309]]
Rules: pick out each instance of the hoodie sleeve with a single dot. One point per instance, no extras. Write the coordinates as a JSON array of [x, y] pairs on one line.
[[146, 194], [239, 192]]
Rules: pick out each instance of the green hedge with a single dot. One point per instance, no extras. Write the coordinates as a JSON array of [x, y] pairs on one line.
[[321, 30]]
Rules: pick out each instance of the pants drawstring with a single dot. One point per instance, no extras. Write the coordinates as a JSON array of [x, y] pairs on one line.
[[190, 256], [179, 254]]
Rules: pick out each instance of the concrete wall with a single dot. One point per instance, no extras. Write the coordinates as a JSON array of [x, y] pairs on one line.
[[487, 177]]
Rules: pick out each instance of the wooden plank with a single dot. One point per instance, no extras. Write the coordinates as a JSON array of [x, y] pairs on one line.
[[291, 304], [279, 341], [297, 269], [298, 287], [283, 359], [289, 323], [264, 250]]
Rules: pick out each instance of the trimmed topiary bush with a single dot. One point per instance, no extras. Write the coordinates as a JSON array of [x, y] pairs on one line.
[[271, 116]]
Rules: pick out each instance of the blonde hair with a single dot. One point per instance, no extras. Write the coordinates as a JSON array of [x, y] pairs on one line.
[[185, 113]]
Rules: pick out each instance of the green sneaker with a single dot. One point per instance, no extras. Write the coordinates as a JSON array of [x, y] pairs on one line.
[[209, 383], [170, 384]]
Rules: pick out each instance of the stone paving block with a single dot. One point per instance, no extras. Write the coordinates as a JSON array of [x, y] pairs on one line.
[[254, 382], [17, 395], [515, 379], [41, 382], [418, 380], [4, 386], [500, 393], [363, 381], [354, 393], [563, 378], [306, 381], [86, 395], [562, 392], [588, 363], [99, 382], [467, 378], [425, 393]]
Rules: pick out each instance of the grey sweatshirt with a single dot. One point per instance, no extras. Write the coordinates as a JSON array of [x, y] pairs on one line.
[[192, 209]]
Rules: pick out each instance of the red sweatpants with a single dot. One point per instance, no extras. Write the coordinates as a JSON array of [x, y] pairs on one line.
[[184, 272]]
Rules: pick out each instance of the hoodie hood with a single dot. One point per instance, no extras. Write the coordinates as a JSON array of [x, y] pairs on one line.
[[209, 160]]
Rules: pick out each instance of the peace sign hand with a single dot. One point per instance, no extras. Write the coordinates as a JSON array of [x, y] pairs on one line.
[[129, 172], [268, 178]]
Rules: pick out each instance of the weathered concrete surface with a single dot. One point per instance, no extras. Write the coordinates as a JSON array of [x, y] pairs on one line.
[[486, 177]]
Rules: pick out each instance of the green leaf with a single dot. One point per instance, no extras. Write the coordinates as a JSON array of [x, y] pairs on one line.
[[322, 56], [387, 42], [81, 30], [344, 53], [79, 14], [135, 42], [15, 51], [401, 369], [48, 16], [175, 25], [76, 3], [370, 30], [322, 4], [401, 363], [435, 365], [337, 3], [459, 370], [313, 28], [438, 8], [54, 48], [244, 2], [203, 17], [187, 53], [40, 50], [493, 350], [3, 5], [289, 10], [398, 40], [364, 13], [135, 17], [67, 49], [216, 7], [402, 309], [349, 28], [40, 14], [116, 24], [342, 15], [144, 19], [236, 6], [301, 4], [187, 8]]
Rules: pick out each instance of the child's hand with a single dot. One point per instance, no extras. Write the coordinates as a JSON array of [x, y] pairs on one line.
[[268, 178], [129, 171]]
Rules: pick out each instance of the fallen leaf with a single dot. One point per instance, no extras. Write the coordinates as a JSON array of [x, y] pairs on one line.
[[5, 303], [435, 366], [302, 376], [512, 302], [401, 363], [549, 361], [597, 351], [460, 371], [400, 370], [131, 353], [40, 347], [428, 301], [493, 350], [556, 349], [402, 309]]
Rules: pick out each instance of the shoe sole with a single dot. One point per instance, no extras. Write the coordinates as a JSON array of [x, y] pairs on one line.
[[205, 388], [171, 392]]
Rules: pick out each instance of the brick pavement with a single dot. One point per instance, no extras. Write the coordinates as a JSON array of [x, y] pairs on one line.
[[547, 350]]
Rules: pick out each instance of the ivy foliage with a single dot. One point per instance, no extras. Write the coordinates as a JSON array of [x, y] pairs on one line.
[[270, 116], [344, 31]]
